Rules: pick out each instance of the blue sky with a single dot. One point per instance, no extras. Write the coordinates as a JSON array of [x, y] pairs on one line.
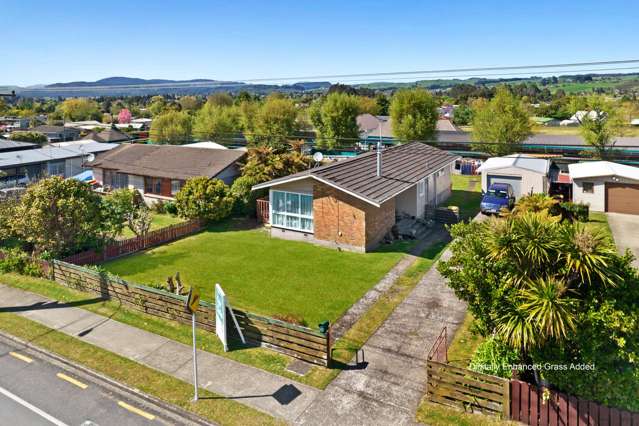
[[52, 41]]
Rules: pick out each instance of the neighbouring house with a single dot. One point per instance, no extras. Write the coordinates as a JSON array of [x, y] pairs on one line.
[[353, 204], [69, 159], [109, 135], [58, 133], [9, 145], [525, 173], [372, 128], [86, 124], [160, 171], [9, 124], [606, 186]]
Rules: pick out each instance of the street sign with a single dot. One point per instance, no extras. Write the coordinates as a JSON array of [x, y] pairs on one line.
[[193, 301]]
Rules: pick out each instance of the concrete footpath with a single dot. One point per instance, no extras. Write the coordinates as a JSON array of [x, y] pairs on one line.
[[388, 390], [270, 393]]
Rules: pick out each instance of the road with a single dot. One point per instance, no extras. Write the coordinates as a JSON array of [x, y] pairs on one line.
[[37, 390]]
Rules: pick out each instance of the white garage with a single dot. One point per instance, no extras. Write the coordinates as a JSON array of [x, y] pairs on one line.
[[606, 186], [526, 174]]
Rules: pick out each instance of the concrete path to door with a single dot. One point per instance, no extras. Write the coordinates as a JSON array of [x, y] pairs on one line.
[[388, 390], [625, 230]]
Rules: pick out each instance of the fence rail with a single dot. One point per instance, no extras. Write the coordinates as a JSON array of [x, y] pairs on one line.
[[291, 339], [135, 244], [521, 401]]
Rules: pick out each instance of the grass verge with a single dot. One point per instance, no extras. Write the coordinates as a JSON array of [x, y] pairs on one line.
[[464, 343], [599, 220], [174, 391], [439, 415]]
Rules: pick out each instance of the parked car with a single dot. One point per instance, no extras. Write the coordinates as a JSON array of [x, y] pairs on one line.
[[498, 196]]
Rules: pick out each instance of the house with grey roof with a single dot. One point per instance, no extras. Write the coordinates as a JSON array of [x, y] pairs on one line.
[[352, 204], [158, 172], [66, 159], [58, 133]]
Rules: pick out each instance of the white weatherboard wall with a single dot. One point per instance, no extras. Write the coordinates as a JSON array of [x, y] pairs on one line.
[[530, 181], [597, 199]]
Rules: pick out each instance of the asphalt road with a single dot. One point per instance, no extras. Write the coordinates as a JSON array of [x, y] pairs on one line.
[[39, 391]]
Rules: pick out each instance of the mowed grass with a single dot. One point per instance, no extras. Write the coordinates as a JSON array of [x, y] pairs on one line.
[[599, 221], [264, 275], [466, 195], [157, 221]]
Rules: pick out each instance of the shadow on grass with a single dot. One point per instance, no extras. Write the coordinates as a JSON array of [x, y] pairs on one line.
[[467, 201]]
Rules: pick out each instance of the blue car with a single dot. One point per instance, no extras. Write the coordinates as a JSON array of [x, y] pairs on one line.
[[498, 196]]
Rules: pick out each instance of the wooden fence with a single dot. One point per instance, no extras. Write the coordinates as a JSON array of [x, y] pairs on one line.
[[528, 406], [521, 401], [463, 388], [293, 340], [297, 341], [135, 244], [262, 210]]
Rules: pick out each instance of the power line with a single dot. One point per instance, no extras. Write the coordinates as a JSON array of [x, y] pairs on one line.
[[214, 84]]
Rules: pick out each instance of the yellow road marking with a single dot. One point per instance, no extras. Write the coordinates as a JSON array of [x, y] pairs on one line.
[[72, 380], [21, 357], [136, 410]]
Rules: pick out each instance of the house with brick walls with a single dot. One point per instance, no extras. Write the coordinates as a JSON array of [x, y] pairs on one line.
[[352, 204], [160, 171]]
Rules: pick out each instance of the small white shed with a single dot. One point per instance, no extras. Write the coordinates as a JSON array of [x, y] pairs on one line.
[[525, 173]]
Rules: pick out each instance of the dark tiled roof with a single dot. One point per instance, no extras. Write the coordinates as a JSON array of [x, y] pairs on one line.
[[108, 135], [402, 167], [167, 161]]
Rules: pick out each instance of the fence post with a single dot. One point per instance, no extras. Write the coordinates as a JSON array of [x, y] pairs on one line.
[[328, 345], [506, 400]]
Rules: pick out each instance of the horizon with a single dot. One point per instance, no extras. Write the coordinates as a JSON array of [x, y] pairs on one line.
[[250, 40]]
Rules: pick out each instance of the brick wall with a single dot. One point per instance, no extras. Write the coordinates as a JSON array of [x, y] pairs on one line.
[[345, 221]]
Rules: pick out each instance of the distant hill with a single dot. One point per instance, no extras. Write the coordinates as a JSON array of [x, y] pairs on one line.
[[124, 81]]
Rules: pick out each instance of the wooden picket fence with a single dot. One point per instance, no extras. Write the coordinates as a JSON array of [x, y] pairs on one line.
[[291, 339], [512, 399], [527, 405], [132, 245], [262, 210]]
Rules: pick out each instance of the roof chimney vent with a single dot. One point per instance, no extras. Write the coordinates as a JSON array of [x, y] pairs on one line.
[[379, 158]]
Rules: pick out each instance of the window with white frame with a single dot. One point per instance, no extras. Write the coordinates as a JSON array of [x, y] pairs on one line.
[[292, 210], [176, 185]]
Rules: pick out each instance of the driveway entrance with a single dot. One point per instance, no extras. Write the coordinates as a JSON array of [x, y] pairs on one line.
[[625, 230]]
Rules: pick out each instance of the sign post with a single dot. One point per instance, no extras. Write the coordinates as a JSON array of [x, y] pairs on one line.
[[192, 303]]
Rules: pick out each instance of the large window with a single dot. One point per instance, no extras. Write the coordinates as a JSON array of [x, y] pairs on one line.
[[292, 210], [153, 185], [116, 180], [176, 185], [55, 168]]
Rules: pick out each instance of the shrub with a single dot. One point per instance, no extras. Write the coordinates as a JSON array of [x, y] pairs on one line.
[[171, 208], [204, 198], [244, 197], [159, 207], [574, 211], [494, 357], [16, 260]]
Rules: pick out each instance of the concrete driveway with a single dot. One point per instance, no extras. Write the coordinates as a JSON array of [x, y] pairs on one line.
[[625, 229]]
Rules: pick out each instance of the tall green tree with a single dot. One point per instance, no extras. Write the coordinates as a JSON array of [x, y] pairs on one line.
[[58, 216], [79, 109], [274, 123], [215, 121], [501, 124], [601, 125], [171, 127], [335, 120], [414, 115]]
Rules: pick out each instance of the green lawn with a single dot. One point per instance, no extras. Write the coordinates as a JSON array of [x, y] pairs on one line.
[[264, 275], [598, 220], [158, 221], [466, 195]]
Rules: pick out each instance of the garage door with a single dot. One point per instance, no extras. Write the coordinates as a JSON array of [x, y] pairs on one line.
[[622, 198], [514, 181]]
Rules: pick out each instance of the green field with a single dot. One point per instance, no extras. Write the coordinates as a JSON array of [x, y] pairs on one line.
[[264, 275]]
